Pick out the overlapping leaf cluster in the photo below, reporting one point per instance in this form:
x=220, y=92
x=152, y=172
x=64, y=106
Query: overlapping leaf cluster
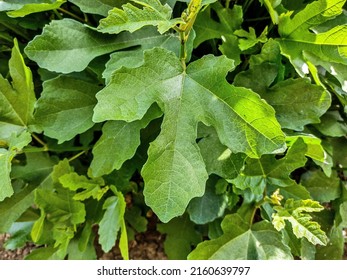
x=226, y=120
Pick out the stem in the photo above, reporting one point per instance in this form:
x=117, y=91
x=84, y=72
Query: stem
x=57, y=14
x=71, y=14
x=76, y=156
x=16, y=30
x=47, y=149
x=227, y=4
x=183, y=51
x=40, y=141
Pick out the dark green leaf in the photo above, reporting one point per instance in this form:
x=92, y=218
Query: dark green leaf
x=180, y=237
x=210, y=206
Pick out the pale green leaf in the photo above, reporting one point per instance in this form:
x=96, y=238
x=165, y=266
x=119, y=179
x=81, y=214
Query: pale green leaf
x=5, y=169
x=131, y=18
x=321, y=187
x=210, y=206
x=90, y=187
x=65, y=107
x=57, y=44
x=33, y=7
x=175, y=172
x=330, y=45
x=37, y=230
x=180, y=236
x=18, y=98
x=258, y=173
x=112, y=221
x=302, y=223
x=118, y=143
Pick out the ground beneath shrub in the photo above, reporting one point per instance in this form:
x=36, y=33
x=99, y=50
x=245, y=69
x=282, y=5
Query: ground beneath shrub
x=146, y=246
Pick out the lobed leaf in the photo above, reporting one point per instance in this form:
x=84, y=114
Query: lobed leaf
x=175, y=172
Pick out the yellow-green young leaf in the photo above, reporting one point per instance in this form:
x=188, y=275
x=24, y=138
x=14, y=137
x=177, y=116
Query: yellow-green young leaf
x=35, y=7
x=112, y=222
x=89, y=187
x=131, y=18
x=174, y=172
x=36, y=231
x=180, y=237
x=60, y=208
x=65, y=107
x=302, y=224
x=297, y=36
x=17, y=99
x=315, y=149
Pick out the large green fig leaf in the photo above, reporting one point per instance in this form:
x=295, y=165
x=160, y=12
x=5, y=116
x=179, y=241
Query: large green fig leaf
x=174, y=172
